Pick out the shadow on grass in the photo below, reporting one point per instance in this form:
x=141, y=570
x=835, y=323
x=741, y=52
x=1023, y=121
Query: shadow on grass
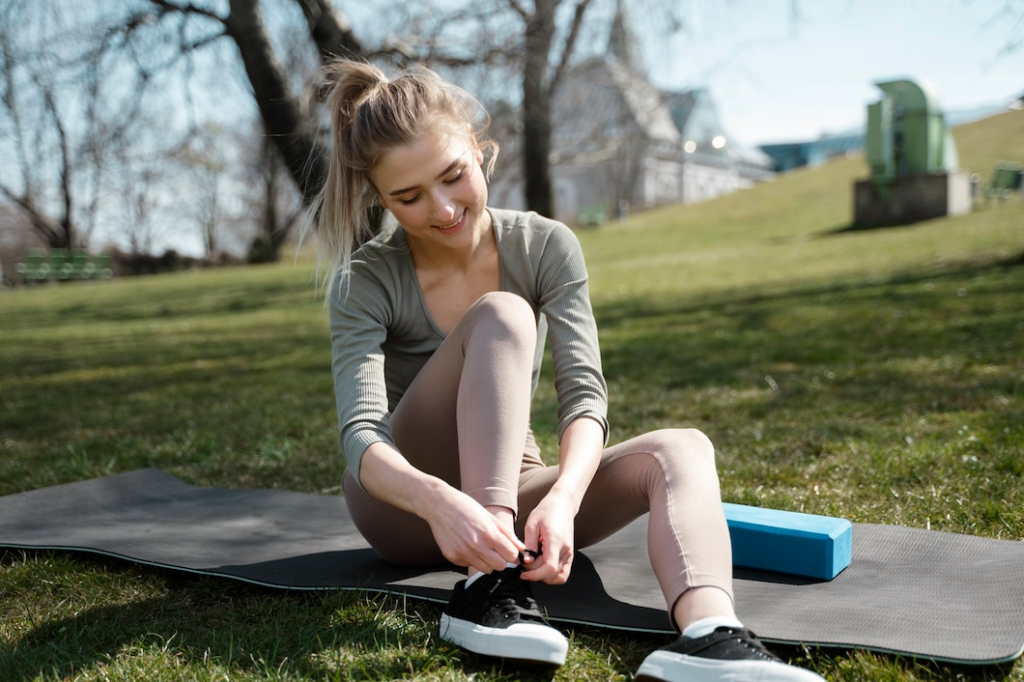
x=195, y=625
x=245, y=631
x=185, y=302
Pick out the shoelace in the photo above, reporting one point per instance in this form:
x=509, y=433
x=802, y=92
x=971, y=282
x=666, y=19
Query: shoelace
x=749, y=640
x=512, y=598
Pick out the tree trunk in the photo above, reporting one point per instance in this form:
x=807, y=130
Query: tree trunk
x=540, y=31
x=283, y=117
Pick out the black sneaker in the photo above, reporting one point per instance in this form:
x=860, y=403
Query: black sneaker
x=498, y=616
x=726, y=655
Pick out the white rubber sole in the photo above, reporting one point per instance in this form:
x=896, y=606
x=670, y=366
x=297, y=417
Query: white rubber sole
x=532, y=642
x=665, y=666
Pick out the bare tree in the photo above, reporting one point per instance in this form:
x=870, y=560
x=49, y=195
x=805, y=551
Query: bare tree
x=138, y=216
x=65, y=111
x=35, y=127
x=285, y=115
x=16, y=238
x=1010, y=14
x=541, y=56
x=176, y=41
x=541, y=75
x=204, y=164
x=280, y=209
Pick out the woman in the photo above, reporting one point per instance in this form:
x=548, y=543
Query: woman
x=438, y=327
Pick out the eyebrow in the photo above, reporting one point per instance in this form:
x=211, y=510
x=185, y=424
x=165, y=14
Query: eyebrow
x=440, y=175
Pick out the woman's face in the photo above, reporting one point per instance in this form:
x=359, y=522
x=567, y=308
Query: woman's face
x=436, y=189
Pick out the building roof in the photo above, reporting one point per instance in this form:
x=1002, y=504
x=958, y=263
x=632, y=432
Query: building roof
x=645, y=102
x=669, y=119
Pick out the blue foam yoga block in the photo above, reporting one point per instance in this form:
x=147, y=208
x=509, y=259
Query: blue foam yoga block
x=806, y=545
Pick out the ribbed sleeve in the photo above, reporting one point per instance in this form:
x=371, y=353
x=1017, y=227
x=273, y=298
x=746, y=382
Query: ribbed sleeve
x=546, y=267
x=382, y=333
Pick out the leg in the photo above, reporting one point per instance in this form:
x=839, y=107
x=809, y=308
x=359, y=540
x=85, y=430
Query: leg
x=672, y=474
x=464, y=419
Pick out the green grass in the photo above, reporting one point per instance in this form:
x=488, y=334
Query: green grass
x=873, y=375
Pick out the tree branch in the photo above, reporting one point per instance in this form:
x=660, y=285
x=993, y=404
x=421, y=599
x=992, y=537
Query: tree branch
x=331, y=30
x=570, y=44
x=519, y=9
x=41, y=224
x=187, y=8
x=488, y=57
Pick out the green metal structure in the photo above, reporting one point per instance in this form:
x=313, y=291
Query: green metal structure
x=907, y=133
x=912, y=158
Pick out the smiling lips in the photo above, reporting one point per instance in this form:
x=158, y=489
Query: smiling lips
x=457, y=222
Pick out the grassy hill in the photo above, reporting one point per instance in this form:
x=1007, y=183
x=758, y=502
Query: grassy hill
x=876, y=375
x=788, y=232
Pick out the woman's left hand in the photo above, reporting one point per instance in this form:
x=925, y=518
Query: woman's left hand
x=549, y=530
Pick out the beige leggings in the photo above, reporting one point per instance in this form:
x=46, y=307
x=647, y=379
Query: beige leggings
x=465, y=419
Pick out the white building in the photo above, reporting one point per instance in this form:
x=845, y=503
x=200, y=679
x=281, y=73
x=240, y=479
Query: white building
x=622, y=144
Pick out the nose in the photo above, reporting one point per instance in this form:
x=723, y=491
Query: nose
x=444, y=207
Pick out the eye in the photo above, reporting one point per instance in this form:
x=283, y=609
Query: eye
x=454, y=177
x=409, y=201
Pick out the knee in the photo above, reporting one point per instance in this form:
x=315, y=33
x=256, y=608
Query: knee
x=506, y=309
x=504, y=304
x=687, y=445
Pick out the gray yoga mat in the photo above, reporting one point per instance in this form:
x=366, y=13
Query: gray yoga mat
x=927, y=594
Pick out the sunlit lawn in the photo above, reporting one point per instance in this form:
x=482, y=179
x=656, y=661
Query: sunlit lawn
x=872, y=375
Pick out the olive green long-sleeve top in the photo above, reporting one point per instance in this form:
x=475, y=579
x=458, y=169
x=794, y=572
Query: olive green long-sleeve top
x=382, y=332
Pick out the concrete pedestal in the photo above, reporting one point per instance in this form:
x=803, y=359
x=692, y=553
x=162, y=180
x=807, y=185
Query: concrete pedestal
x=911, y=198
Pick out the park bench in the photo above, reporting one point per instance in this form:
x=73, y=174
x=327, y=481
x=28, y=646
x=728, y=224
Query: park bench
x=35, y=268
x=1006, y=179
x=63, y=265
x=592, y=216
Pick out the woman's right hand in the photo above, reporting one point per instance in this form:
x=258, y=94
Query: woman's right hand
x=470, y=535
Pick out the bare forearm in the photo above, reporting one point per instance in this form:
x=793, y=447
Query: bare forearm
x=549, y=529
x=467, y=533
x=387, y=475
x=578, y=457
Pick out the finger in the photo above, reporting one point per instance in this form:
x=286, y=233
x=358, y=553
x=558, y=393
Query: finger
x=552, y=575
x=542, y=569
x=495, y=551
x=485, y=554
x=509, y=542
x=488, y=562
x=537, y=568
x=531, y=537
x=563, y=573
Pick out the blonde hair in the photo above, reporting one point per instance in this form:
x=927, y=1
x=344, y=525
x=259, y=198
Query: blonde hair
x=371, y=114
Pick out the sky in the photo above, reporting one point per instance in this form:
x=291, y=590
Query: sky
x=779, y=77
